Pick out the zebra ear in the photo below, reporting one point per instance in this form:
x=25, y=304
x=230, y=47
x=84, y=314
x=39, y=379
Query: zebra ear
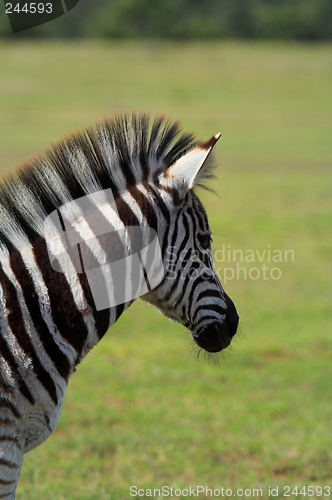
x=191, y=167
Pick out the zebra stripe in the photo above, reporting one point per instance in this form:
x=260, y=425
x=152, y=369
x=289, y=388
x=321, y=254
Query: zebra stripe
x=63, y=217
x=20, y=335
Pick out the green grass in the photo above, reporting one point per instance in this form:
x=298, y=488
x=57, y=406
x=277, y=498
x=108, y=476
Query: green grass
x=143, y=409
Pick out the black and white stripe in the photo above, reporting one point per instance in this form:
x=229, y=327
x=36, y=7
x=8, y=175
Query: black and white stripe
x=48, y=318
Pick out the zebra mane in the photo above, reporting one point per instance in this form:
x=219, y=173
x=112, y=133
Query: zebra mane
x=116, y=154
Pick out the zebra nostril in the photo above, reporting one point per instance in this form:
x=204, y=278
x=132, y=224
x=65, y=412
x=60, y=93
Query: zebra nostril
x=214, y=338
x=217, y=336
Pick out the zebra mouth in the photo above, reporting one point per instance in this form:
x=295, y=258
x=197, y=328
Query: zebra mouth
x=214, y=338
x=217, y=336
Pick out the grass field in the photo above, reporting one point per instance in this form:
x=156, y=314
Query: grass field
x=143, y=410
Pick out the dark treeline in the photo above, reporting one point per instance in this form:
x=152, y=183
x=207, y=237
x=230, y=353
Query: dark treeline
x=187, y=19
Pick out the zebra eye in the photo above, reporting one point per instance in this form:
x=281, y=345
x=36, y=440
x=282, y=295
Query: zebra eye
x=204, y=240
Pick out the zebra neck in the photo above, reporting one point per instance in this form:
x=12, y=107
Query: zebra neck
x=83, y=305
x=73, y=315
x=57, y=309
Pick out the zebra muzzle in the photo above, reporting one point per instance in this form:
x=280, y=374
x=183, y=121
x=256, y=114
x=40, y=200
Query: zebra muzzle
x=217, y=336
x=212, y=338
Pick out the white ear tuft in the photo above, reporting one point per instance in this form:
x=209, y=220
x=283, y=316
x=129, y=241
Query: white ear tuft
x=182, y=174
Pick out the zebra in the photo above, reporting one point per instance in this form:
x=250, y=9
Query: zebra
x=49, y=318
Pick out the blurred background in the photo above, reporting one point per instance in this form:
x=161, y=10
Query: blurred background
x=144, y=408
x=191, y=19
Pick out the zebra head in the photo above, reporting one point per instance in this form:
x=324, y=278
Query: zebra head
x=191, y=292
